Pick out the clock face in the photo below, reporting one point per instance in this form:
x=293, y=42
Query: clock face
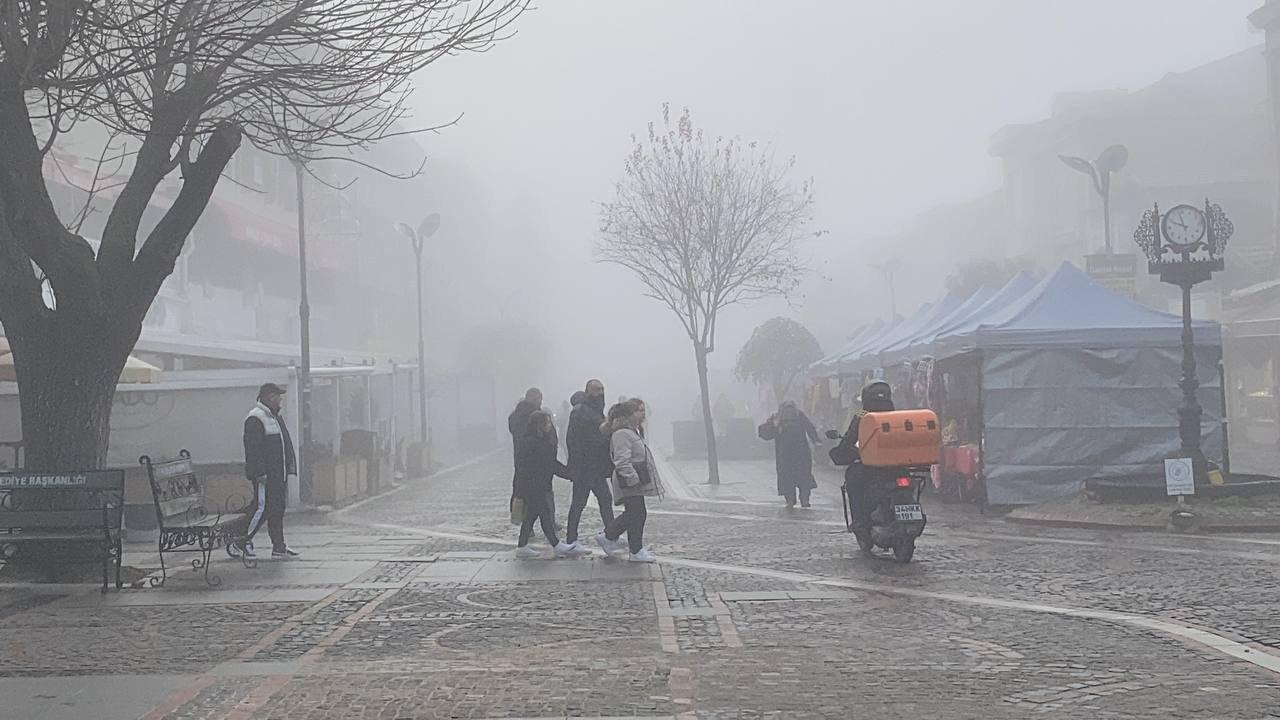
x=1183, y=226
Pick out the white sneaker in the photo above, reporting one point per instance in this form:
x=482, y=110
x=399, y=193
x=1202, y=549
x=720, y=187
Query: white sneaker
x=644, y=556
x=527, y=553
x=571, y=550
x=610, y=547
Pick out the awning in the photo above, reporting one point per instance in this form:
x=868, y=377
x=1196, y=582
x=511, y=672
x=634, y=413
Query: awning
x=135, y=370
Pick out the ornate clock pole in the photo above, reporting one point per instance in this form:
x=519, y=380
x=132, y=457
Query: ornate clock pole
x=1185, y=247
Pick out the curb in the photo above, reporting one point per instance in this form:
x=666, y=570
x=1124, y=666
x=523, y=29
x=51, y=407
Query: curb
x=1273, y=527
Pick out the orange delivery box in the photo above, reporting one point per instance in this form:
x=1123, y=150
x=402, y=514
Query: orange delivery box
x=900, y=438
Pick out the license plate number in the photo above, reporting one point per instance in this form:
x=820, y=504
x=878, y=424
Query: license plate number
x=906, y=513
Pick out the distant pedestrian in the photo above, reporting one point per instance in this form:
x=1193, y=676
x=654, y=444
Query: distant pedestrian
x=635, y=477
x=270, y=464
x=590, y=463
x=536, y=466
x=793, y=436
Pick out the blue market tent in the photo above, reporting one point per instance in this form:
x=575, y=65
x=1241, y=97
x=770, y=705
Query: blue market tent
x=1081, y=382
x=920, y=344
x=859, y=337
x=1018, y=285
x=858, y=346
x=868, y=357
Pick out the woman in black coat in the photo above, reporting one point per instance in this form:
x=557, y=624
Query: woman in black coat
x=793, y=436
x=536, y=465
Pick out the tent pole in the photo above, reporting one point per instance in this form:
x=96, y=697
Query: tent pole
x=982, y=432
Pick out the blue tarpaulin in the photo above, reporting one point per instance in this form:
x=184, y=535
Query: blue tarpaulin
x=1081, y=382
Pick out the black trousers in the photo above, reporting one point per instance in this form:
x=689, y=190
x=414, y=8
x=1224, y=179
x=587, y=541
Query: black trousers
x=535, y=510
x=790, y=495
x=631, y=521
x=268, y=505
x=581, y=491
x=856, y=486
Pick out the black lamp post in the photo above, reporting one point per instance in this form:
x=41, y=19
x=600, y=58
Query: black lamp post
x=1185, y=246
x=418, y=237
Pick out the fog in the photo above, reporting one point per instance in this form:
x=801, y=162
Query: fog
x=887, y=106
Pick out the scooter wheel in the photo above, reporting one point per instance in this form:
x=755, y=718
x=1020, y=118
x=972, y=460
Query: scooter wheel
x=864, y=540
x=904, y=549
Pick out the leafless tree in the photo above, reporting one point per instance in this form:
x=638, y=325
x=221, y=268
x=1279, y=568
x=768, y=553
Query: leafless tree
x=183, y=83
x=705, y=224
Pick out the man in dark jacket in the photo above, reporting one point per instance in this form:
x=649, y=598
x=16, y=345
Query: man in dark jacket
x=877, y=396
x=269, y=463
x=517, y=424
x=518, y=421
x=590, y=464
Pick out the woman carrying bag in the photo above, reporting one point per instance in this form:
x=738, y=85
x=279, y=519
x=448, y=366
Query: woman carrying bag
x=536, y=465
x=635, y=477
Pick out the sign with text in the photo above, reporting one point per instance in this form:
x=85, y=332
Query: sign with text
x=1179, y=477
x=1115, y=271
x=30, y=480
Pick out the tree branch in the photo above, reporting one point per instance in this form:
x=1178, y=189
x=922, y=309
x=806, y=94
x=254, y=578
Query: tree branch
x=160, y=252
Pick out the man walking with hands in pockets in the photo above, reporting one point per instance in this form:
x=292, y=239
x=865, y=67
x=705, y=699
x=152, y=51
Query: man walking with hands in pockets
x=269, y=463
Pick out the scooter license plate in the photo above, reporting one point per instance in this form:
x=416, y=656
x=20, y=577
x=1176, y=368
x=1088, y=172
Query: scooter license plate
x=907, y=513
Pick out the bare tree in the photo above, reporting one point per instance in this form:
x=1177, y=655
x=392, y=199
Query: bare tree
x=705, y=224
x=182, y=83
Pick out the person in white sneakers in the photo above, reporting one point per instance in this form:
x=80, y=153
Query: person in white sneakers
x=635, y=477
x=536, y=466
x=270, y=464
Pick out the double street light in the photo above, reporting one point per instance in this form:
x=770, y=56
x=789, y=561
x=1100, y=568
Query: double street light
x=1109, y=161
x=428, y=227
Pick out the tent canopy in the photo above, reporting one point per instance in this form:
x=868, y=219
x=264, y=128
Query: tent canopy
x=868, y=358
x=920, y=344
x=1070, y=309
x=860, y=336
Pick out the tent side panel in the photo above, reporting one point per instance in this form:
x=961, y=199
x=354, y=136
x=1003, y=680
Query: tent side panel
x=1057, y=417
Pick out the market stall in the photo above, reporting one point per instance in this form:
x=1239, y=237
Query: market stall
x=1075, y=382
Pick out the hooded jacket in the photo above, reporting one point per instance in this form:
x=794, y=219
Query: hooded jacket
x=268, y=449
x=536, y=465
x=588, y=448
x=518, y=422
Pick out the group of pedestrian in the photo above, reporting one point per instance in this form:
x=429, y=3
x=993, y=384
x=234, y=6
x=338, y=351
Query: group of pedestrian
x=607, y=457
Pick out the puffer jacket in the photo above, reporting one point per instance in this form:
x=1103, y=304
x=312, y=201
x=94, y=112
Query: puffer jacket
x=628, y=450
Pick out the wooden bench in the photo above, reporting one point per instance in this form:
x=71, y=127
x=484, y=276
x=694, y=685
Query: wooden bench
x=183, y=517
x=68, y=512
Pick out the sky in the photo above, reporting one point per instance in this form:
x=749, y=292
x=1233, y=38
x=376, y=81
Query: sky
x=887, y=105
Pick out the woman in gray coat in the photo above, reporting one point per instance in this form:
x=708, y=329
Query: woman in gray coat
x=635, y=477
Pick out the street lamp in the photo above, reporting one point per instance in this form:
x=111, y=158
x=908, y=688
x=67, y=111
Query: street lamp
x=1185, y=246
x=304, y=330
x=426, y=229
x=1109, y=161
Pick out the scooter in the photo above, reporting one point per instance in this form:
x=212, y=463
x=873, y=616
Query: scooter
x=897, y=517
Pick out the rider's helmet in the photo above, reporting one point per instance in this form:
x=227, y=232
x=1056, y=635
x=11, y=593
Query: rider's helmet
x=877, y=396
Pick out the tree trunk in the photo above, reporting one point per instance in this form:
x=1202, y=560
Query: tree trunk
x=713, y=459
x=66, y=383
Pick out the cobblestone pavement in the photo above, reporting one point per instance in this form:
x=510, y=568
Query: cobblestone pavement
x=412, y=606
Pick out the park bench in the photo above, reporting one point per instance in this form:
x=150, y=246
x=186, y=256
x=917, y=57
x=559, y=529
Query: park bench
x=73, y=516
x=183, y=516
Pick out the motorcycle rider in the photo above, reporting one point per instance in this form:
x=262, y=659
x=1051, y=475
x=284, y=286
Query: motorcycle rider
x=877, y=396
